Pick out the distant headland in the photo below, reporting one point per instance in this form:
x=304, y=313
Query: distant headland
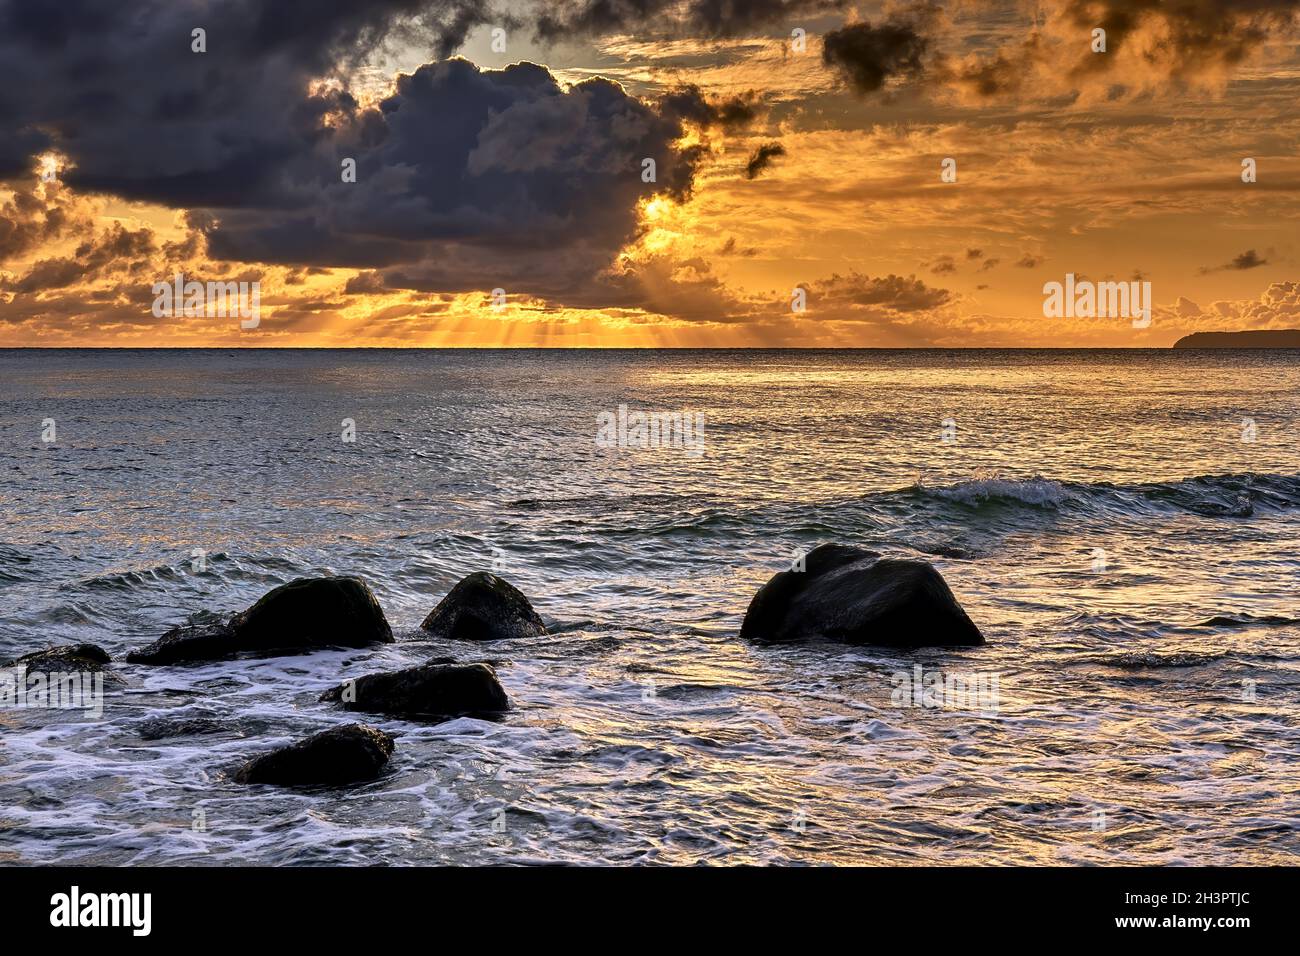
x=1255, y=339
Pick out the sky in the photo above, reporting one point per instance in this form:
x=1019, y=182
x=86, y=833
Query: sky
x=824, y=173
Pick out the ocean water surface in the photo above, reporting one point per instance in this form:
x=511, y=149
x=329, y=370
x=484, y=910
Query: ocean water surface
x=1123, y=526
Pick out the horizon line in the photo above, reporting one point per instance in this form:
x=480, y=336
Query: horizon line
x=641, y=348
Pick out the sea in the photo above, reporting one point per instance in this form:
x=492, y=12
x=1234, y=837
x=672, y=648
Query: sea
x=1123, y=526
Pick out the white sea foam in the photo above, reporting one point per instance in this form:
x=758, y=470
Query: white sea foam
x=1030, y=491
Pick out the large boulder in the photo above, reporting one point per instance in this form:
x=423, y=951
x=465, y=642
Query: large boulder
x=483, y=607
x=856, y=597
x=68, y=659
x=301, y=615
x=437, y=691
x=340, y=755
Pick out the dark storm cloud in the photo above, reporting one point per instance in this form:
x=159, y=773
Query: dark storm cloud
x=18, y=146
x=461, y=173
x=118, y=89
x=690, y=104
x=762, y=158
x=569, y=19
x=475, y=171
x=325, y=32
x=866, y=56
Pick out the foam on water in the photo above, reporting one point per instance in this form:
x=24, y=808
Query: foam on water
x=1035, y=491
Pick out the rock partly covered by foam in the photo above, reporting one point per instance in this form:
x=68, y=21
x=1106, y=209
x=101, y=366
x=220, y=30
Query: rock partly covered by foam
x=437, y=691
x=856, y=597
x=483, y=607
x=301, y=615
x=340, y=755
x=68, y=659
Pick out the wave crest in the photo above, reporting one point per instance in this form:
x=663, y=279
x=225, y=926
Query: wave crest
x=1037, y=491
x=1232, y=496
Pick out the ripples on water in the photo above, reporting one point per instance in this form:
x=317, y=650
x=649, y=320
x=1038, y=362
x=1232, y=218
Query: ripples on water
x=643, y=729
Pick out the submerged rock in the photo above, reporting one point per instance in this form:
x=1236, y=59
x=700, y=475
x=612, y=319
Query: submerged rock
x=340, y=755
x=483, y=607
x=429, y=690
x=856, y=597
x=184, y=723
x=67, y=659
x=162, y=728
x=303, y=614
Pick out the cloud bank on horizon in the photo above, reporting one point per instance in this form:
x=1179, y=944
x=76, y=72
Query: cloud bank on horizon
x=646, y=172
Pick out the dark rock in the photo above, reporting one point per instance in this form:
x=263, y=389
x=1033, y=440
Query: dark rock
x=338, y=611
x=856, y=597
x=301, y=615
x=340, y=755
x=199, y=721
x=430, y=690
x=66, y=659
x=483, y=607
